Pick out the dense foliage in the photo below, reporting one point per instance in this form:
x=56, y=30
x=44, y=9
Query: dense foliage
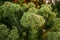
x=27, y=6
x=56, y=26
x=3, y=32
x=53, y=36
x=10, y=13
x=26, y=22
x=10, y=16
x=48, y=15
x=57, y=8
x=32, y=20
x=33, y=10
x=13, y=34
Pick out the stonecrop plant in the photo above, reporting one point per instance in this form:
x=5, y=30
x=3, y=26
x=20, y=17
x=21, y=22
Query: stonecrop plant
x=3, y=32
x=33, y=10
x=33, y=22
x=53, y=36
x=26, y=22
x=48, y=15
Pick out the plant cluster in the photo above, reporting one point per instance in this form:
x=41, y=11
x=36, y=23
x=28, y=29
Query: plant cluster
x=28, y=23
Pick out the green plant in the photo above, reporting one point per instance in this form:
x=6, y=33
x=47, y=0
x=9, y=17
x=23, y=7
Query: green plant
x=57, y=7
x=11, y=13
x=31, y=19
x=25, y=22
x=31, y=4
x=46, y=5
x=52, y=36
x=21, y=2
x=33, y=10
x=56, y=26
x=33, y=22
x=3, y=32
x=27, y=6
x=13, y=34
x=48, y=15
x=44, y=11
